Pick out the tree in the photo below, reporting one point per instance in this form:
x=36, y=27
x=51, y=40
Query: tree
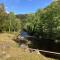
x=3, y=17
x=13, y=23
x=45, y=22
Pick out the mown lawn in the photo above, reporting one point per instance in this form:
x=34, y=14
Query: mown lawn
x=9, y=50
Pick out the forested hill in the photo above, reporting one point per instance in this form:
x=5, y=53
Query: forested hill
x=38, y=19
x=45, y=22
x=21, y=16
x=45, y=25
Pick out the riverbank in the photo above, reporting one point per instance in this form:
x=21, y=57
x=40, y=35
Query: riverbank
x=9, y=50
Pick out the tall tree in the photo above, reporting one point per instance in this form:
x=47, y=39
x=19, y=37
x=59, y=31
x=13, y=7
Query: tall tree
x=3, y=16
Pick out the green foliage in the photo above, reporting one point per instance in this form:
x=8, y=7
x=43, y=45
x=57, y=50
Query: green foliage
x=45, y=22
x=14, y=23
x=2, y=18
x=9, y=22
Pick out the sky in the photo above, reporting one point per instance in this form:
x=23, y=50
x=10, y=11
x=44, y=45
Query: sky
x=24, y=6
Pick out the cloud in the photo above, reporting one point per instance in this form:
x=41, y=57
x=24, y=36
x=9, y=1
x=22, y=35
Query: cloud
x=7, y=12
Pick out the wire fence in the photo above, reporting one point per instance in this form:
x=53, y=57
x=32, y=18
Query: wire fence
x=50, y=52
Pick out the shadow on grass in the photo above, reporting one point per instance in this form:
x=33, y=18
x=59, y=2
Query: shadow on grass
x=47, y=45
x=53, y=56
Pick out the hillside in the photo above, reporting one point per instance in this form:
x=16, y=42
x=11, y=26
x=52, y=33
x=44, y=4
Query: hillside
x=21, y=16
x=48, y=21
x=9, y=50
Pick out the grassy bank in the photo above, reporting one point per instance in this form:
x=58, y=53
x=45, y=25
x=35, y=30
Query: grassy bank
x=9, y=50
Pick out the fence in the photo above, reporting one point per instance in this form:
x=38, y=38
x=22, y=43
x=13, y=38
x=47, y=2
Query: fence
x=56, y=53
